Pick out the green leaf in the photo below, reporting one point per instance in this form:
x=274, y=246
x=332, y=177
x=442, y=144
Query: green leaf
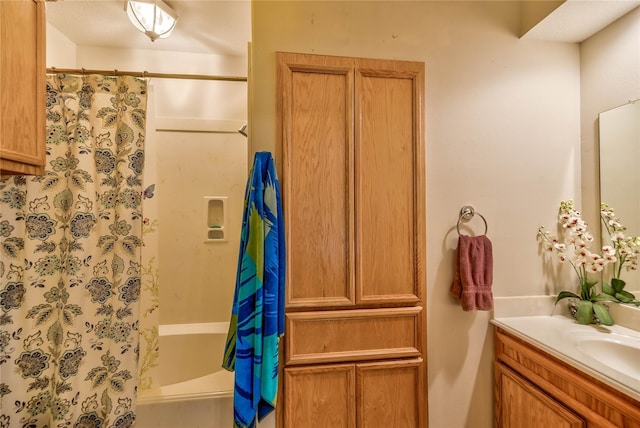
x=565, y=294
x=604, y=297
x=106, y=401
x=97, y=376
x=128, y=247
x=117, y=265
x=590, y=282
x=617, y=284
x=138, y=116
x=626, y=294
x=79, y=177
x=41, y=313
x=117, y=385
x=55, y=334
x=74, y=309
x=607, y=289
x=623, y=298
x=602, y=312
x=49, y=183
x=63, y=200
x=584, y=315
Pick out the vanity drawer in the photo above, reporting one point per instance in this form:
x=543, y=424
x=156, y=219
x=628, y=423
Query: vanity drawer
x=352, y=335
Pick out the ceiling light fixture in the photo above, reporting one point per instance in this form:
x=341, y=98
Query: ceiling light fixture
x=154, y=18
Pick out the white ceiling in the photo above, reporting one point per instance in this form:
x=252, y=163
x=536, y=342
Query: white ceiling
x=223, y=27
x=220, y=27
x=577, y=20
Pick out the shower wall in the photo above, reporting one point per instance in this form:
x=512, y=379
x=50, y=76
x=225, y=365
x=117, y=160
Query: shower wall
x=196, y=277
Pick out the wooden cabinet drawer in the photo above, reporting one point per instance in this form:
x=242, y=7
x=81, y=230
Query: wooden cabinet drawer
x=353, y=335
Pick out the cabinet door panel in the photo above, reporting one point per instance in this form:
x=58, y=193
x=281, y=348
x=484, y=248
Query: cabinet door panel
x=390, y=394
x=320, y=397
x=22, y=86
x=317, y=115
x=386, y=186
x=524, y=406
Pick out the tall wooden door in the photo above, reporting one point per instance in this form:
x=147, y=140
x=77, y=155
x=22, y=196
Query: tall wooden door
x=352, y=175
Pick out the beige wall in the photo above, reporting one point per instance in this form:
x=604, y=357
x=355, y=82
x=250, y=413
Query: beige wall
x=502, y=134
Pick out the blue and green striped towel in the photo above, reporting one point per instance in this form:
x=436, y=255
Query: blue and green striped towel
x=257, y=316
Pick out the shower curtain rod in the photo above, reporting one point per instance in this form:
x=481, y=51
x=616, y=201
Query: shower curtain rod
x=145, y=74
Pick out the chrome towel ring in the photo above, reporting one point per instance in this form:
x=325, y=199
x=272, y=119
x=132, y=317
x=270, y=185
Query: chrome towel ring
x=466, y=213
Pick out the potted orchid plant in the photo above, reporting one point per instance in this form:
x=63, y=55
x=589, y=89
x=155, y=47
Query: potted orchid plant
x=572, y=246
x=623, y=253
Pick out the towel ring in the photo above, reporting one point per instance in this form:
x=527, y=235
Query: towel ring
x=466, y=213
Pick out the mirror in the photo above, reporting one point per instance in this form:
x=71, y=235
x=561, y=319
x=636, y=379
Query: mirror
x=619, y=133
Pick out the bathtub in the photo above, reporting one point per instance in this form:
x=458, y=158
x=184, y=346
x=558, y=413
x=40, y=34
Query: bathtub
x=190, y=364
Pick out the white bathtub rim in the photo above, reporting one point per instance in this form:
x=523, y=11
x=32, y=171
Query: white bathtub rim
x=193, y=328
x=215, y=385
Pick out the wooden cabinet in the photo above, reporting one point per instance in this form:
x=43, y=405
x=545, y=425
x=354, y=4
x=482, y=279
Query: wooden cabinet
x=536, y=389
x=523, y=405
x=372, y=395
x=22, y=87
x=352, y=178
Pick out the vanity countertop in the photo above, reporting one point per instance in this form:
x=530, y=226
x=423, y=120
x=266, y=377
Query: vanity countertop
x=608, y=353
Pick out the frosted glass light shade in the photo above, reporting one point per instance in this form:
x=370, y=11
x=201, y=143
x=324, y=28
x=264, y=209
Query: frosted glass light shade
x=154, y=18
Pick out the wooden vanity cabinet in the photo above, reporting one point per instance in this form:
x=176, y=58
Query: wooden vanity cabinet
x=22, y=87
x=536, y=389
x=352, y=178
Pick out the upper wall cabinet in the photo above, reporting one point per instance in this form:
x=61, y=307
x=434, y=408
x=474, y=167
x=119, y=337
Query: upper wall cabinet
x=353, y=160
x=22, y=87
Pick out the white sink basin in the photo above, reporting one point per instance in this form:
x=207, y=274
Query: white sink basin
x=616, y=351
x=620, y=356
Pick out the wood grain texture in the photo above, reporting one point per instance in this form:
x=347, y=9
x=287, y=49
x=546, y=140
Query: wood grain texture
x=524, y=406
x=22, y=86
x=353, y=180
x=386, y=186
x=352, y=146
x=352, y=335
x=389, y=394
x=317, y=113
x=598, y=403
x=320, y=396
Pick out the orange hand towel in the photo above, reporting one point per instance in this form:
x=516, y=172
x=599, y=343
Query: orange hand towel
x=474, y=273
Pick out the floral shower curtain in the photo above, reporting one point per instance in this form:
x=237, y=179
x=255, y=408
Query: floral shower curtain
x=70, y=262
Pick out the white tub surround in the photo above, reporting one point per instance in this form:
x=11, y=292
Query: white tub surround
x=190, y=364
x=608, y=354
x=218, y=384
